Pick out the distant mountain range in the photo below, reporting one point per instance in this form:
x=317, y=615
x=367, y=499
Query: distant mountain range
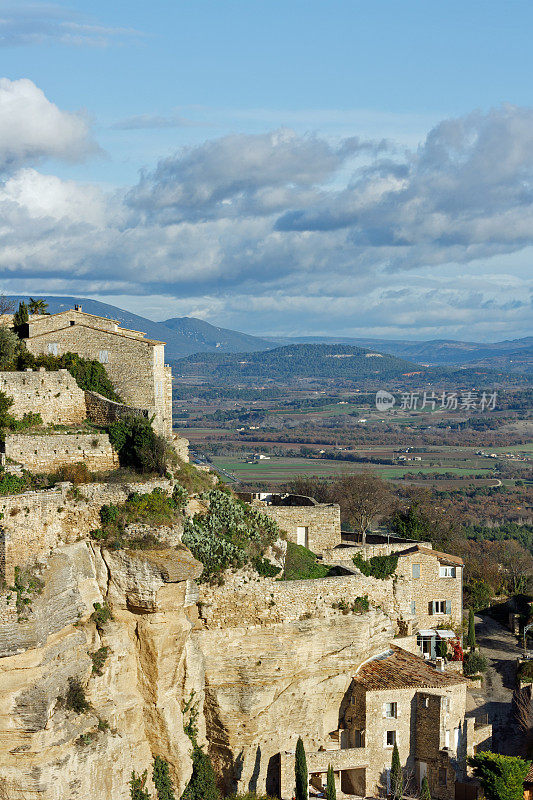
x=185, y=336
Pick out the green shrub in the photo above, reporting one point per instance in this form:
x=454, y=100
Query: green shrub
x=101, y=614
x=99, y=658
x=359, y=606
x=381, y=567
x=88, y=373
x=301, y=564
x=195, y=481
x=138, y=790
x=474, y=663
x=265, y=568
x=75, y=699
x=138, y=445
x=9, y=344
x=29, y=420
x=230, y=534
x=25, y=585
x=77, y=474
x=13, y=484
x=108, y=514
x=501, y=777
x=180, y=495
x=202, y=785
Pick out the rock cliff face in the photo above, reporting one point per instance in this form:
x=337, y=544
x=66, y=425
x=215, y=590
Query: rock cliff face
x=267, y=685
x=258, y=686
x=51, y=752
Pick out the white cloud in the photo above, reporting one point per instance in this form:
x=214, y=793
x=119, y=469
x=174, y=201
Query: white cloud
x=33, y=128
x=43, y=23
x=282, y=232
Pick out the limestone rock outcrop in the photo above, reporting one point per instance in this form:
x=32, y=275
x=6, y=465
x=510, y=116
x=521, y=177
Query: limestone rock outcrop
x=48, y=750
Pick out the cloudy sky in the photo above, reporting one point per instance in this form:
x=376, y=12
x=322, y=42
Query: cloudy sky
x=354, y=167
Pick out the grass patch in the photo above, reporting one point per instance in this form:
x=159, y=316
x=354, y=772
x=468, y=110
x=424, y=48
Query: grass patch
x=301, y=564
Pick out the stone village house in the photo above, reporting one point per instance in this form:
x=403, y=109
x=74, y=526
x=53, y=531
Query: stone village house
x=397, y=697
x=135, y=364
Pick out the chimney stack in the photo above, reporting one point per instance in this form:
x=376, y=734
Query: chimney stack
x=77, y=308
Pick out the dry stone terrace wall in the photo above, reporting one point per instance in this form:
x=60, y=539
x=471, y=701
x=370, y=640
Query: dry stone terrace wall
x=47, y=452
x=55, y=395
x=245, y=600
x=34, y=523
x=103, y=412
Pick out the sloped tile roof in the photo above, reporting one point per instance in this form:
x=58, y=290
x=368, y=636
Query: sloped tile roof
x=446, y=558
x=399, y=669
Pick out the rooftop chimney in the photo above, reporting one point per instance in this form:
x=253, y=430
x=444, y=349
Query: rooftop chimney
x=77, y=308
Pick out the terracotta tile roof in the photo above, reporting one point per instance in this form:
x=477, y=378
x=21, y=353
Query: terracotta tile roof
x=446, y=558
x=402, y=670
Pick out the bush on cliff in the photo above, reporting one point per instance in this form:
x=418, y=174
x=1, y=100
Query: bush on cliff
x=301, y=564
x=155, y=509
x=138, y=445
x=161, y=779
x=381, y=567
x=230, y=534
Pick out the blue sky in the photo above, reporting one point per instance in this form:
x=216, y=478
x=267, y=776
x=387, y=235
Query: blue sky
x=357, y=168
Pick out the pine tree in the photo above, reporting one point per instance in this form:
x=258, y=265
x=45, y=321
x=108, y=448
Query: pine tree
x=203, y=784
x=471, y=636
x=300, y=771
x=331, y=792
x=425, y=794
x=161, y=778
x=396, y=775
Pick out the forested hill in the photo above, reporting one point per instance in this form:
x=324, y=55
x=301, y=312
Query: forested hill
x=294, y=362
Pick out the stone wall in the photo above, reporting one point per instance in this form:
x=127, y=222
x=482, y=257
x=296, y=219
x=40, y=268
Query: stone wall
x=34, y=523
x=55, y=395
x=103, y=411
x=323, y=523
x=430, y=586
x=47, y=452
x=247, y=599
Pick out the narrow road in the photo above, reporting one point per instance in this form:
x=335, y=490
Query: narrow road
x=500, y=648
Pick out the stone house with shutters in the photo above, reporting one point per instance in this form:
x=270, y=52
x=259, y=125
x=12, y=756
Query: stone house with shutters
x=397, y=698
x=135, y=364
x=435, y=599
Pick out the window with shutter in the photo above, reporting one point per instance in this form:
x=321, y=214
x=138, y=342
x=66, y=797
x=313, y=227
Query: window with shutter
x=413, y=607
x=448, y=606
x=416, y=571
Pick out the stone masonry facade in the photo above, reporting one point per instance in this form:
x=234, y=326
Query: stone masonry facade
x=314, y=525
x=55, y=395
x=135, y=364
x=47, y=452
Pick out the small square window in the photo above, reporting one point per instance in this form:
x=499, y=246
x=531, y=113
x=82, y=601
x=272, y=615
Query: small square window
x=413, y=607
x=390, y=738
x=446, y=572
x=390, y=710
x=53, y=348
x=103, y=356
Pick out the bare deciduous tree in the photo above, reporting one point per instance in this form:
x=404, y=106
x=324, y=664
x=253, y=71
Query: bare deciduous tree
x=362, y=497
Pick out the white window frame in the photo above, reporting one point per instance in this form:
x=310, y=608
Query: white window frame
x=447, y=739
x=440, y=606
x=394, y=739
x=446, y=571
x=390, y=710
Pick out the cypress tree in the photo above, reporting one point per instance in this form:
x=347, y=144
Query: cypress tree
x=442, y=648
x=425, y=794
x=161, y=778
x=396, y=775
x=202, y=785
x=300, y=771
x=331, y=792
x=471, y=636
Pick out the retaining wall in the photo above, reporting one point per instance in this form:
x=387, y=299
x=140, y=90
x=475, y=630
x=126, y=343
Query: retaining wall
x=47, y=452
x=55, y=395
